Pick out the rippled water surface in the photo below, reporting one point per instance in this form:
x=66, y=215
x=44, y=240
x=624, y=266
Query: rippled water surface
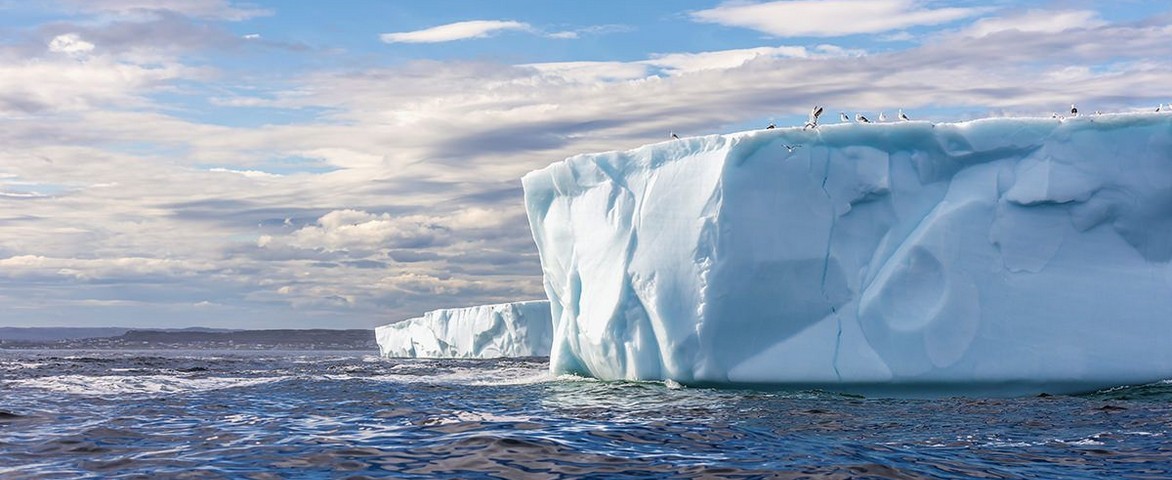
x=200, y=414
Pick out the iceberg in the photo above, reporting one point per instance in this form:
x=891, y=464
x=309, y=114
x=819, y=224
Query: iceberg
x=521, y=329
x=1002, y=256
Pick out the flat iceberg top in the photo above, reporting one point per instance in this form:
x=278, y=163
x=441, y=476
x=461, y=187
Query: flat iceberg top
x=1003, y=255
x=519, y=329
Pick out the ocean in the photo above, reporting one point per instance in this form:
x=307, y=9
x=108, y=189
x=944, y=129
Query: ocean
x=286, y=414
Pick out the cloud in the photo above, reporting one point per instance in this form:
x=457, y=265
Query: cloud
x=829, y=18
x=159, y=35
x=70, y=44
x=95, y=269
x=246, y=173
x=455, y=31
x=206, y=9
x=1038, y=21
x=346, y=230
x=676, y=63
x=591, y=30
x=55, y=84
x=671, y=64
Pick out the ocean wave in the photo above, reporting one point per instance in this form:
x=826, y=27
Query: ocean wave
x=134, y=384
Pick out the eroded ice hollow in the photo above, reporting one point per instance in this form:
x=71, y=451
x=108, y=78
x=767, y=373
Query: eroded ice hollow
x=521, y=329
x=997, y=257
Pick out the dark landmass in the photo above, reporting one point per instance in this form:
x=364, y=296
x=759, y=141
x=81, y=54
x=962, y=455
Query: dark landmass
x=47, y=334
x=196, y=339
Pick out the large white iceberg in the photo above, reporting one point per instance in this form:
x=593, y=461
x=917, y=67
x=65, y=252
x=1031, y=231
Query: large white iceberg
x=997, y=256
x=522, y=329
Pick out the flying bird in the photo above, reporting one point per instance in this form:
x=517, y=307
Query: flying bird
x=861, y=119
x=842, y=116
x=813, y=121
x=882, y=116
x=903, y=116
x=791, y=148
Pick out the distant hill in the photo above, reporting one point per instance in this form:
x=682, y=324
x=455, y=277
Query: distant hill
x=263, y=337
x=192, y=338
x=49, y=334
x=41, y=334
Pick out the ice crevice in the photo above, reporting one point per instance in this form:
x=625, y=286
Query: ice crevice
x=826, y=267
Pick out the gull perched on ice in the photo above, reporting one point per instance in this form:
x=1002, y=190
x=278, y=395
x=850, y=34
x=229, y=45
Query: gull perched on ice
x=842, y=117
x=882, y=116
x=861, y=119
x=903, y=116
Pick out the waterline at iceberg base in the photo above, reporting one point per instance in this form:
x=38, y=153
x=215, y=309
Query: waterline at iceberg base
x=1001, y=256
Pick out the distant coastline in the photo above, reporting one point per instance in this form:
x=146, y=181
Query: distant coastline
x=198, y=339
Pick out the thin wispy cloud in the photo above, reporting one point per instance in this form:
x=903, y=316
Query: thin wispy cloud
x=456, y=31
x=1039, y=21
x=830, y=18
x=206, y=9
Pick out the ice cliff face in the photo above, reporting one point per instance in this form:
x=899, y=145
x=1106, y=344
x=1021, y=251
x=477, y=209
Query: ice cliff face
x=520, y=329
x=997, y=256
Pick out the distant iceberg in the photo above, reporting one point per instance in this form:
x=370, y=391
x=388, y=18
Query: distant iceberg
x=522, y=329
x=997, y=256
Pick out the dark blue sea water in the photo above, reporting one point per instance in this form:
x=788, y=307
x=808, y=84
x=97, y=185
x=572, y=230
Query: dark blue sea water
x=201, y=414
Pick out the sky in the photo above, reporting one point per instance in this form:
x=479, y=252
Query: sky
x=348, y=164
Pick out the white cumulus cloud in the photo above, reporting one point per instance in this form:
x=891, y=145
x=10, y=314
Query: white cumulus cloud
x=70, y=44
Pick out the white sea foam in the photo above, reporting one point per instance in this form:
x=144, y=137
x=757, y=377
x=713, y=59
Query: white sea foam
x=463, y=416
x=19, y=365
x=133, y=384
x=526, y=375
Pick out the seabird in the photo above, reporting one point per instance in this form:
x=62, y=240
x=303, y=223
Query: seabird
x=903, y=117
x=842, y=116
x=882, y=116
x=813, y=121
x=861, y=119
x=673, y=135
x=771, y=127
x=1073, y=110
x=791, y=148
